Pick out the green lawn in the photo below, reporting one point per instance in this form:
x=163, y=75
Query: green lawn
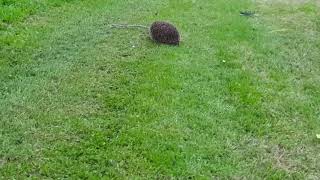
x=238, y=99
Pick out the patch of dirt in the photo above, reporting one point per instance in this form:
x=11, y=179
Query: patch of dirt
x=2, y=162
x=301, y=158
x=289, y=2
x=280, y=159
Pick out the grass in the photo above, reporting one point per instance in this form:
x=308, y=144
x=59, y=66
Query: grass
x=238, y=99
x=12, y=11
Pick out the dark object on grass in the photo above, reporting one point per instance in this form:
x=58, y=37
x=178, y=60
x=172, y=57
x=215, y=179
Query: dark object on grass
x=165, y=33
x=247, y=13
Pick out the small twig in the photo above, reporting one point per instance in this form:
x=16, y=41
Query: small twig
x=247, y=13
x=128, y=26
x=278, y=30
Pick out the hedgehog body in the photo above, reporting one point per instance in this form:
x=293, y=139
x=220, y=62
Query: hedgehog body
x=165, y=33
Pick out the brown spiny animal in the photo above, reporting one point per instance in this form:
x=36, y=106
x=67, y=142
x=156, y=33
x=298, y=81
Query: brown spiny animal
x=165, y=33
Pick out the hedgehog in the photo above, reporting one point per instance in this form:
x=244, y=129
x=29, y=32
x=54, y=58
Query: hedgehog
x=160, y=32
x=165, y=33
